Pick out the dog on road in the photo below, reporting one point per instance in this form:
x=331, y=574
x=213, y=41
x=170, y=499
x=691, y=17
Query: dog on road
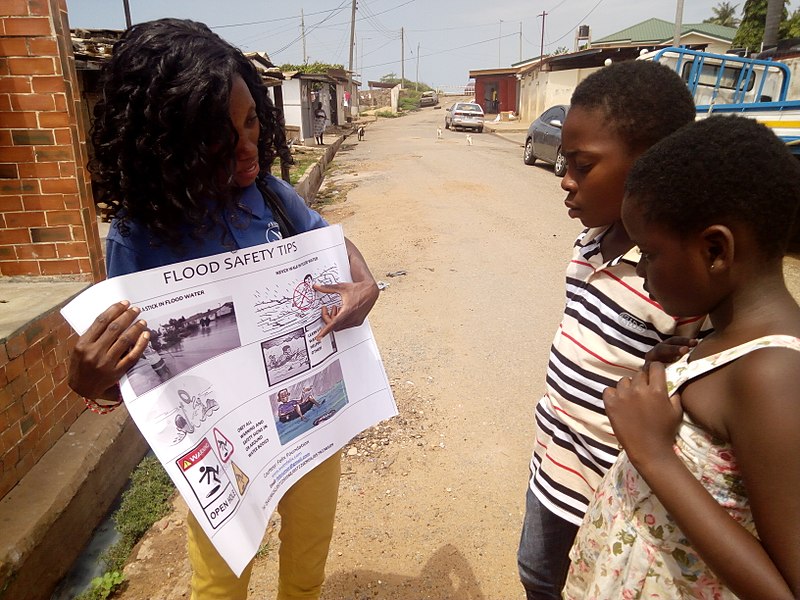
x=438, y=133
x=360, y=133
x=469, y=140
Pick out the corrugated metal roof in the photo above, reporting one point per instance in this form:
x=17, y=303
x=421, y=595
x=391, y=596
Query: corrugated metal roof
x=658, y=30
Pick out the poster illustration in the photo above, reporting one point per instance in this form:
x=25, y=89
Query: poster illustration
x=234, y=393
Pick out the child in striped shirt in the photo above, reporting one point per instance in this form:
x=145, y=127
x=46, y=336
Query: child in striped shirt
x=609, y=322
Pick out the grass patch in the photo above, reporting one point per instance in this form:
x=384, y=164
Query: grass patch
x=387, y=114
x=301, y=163
x=146, y=501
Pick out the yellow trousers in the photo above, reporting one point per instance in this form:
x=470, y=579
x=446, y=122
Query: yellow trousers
x=307, y=511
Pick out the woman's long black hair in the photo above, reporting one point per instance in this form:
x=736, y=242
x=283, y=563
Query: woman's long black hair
x=163, y=139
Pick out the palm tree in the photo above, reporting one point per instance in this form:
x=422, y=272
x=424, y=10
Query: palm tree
x=724, y=14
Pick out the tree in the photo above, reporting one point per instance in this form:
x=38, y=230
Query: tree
x=724, y=14
x=750, y=34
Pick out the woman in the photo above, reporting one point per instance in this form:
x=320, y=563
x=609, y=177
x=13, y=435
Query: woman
x=319, y=123
x=184, y=137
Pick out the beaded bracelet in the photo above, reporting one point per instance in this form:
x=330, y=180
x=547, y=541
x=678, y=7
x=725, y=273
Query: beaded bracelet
x=103, y=409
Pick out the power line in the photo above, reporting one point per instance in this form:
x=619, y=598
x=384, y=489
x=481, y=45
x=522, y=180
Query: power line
x=494, y=39
x=332, y=13
x=319, y=12
x=599, y=2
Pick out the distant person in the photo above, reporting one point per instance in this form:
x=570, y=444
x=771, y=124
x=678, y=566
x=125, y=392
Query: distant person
x=184, y=135
x=320, y=119
x=609, y=321
x=703, y=500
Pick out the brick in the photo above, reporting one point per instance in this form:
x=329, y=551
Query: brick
x=38, y=102
x=43, y=46
x=15, y=368
x=17, y=8
x=39, y=170
x=54, y=119
x=28, y=26
x=5, y=135
x=29, y=400
x=56, y=153
x=7, y=253
x=14, y=236
x=34, y=332
x=44, y=202
x=31, y=66
x=18, y=186
x=44, y=387
x=23, y=267
x=78, y=234
x=9, y=171
x=32, y=355
x=26, y=424
x=36, y=372
x=41, y=7
x=71, y=250
x=51, y=234
x=33, y=251
x=15, y=85
x=13, y=47
x=53, y=83
x=63, y=136
x=61, y=102
x=59, y=186
x=68, y=169
x=19, y=119
x=5, y=103
x=63, y=217
x=33, y=137
x=24, y=219
x=61, y=267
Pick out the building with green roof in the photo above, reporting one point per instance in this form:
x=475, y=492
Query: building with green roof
x=659, y=32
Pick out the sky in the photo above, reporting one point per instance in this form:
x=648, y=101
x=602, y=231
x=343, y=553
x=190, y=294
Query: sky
x=443, y=39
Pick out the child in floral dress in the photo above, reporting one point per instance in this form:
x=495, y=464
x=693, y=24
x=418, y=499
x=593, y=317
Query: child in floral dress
x=704, y=502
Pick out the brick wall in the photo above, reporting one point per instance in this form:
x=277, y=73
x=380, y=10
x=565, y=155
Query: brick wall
x=46, y=211
x=47, y=223
x=36, y=405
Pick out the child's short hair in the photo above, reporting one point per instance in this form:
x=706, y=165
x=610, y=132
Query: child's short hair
x=723, y=168
x=643, y=101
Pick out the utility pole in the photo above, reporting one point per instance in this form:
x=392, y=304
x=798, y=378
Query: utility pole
x=676, y=35
x=352, y=38
x=416, y=88
x=127, y=13
x=303, y=33
x=499, y=42
x=520, y=41
x=402, y=57
x=541, y=47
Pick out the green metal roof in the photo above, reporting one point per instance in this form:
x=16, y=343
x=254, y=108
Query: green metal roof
x=658, y=30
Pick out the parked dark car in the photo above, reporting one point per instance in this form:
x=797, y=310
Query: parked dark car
x=543, y=141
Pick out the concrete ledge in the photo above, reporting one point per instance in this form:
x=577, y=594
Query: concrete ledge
x=50, y=515
x=310, y=182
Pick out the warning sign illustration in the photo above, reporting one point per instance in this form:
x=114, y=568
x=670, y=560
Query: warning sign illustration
x=241, y=478
x=211, y=485
x=224, y=445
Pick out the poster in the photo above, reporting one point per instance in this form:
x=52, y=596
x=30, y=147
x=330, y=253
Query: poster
x=234, y=394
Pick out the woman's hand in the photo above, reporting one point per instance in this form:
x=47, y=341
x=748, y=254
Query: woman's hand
x=357, y=297
x=645, y=419
x=112, y=345
x=669, y=350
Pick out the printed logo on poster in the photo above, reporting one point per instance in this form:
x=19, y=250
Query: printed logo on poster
x=209, y=482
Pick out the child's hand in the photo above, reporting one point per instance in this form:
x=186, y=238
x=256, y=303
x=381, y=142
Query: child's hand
x=644, y=418
x=112, y=345
x=669, y=350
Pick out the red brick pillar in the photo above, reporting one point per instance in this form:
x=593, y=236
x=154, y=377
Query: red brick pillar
x=47, y=216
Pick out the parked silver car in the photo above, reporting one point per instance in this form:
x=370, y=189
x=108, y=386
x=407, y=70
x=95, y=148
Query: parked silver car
x=543, y=140
x=466, y=115
x=428, y=99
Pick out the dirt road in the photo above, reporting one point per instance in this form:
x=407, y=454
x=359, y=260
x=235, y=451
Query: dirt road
x=431, y=501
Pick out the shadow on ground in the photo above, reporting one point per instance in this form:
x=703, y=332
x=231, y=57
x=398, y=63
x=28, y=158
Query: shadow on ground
x=446, y=576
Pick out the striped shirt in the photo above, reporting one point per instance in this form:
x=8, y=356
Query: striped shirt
x=609, y=324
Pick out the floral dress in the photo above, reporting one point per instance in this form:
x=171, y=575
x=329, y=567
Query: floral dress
x=628, y=547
